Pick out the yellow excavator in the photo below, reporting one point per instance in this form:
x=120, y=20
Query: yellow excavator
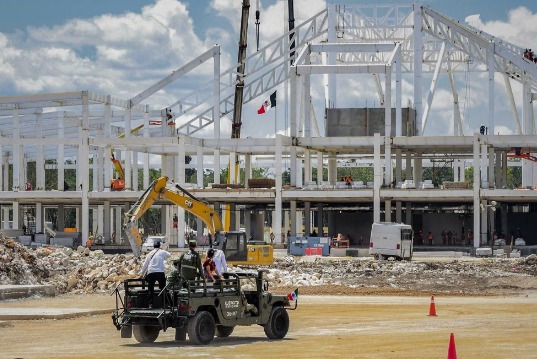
x=234, y=244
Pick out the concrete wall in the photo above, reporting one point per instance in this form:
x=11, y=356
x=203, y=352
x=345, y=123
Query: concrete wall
x=365, y=122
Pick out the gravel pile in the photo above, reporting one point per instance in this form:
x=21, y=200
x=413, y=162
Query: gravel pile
x=87, y=271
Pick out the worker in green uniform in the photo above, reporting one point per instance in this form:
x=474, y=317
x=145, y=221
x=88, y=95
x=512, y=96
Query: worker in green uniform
x=189, y=264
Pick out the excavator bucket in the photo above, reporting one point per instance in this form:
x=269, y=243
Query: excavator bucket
x=135, y=240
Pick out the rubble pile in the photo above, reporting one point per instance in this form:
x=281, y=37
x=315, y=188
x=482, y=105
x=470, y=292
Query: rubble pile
x=484, y=276
x=80, y=271
x=87, y=271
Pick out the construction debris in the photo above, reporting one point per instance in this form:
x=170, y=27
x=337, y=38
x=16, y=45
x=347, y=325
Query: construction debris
x=87, y=271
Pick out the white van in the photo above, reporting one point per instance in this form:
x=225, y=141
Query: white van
x=391, y=240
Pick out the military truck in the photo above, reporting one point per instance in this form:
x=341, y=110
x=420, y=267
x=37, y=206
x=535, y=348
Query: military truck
x=200, y=310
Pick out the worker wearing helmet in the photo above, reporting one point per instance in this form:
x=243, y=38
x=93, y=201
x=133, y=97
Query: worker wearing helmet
x=189, y=264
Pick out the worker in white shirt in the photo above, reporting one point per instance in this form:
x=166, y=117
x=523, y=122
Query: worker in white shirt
x=220, y=261
x=153, y=270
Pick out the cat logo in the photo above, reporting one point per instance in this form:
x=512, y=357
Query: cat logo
x=188, y=203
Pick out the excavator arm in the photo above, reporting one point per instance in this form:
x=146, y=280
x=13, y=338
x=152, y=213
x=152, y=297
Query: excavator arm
x=160, y=189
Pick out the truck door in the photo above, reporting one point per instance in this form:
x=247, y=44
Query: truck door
x=406, y=243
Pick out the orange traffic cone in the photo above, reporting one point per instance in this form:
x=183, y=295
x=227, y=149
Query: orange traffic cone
x=452, y=352
x=432, y=308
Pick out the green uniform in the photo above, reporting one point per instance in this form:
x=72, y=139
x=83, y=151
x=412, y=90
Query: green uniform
x=189, y=265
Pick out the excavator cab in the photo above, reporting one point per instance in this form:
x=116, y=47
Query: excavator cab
x=233, y=244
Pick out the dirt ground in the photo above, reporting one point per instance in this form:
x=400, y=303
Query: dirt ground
x=384, y=326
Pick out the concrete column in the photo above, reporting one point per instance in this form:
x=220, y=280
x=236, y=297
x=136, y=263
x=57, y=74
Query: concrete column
x=40, y=160
x=293, y=215
x=83, y=163
x=307, y=218
x=398, y=165
x=377, y=178
x=100, y=222
x=277, y=219
x=95, y=221
x=418, y=169
x=199, y=169
x=5, y=175
x=332, y=168
x=319, y=168
x=299, y=223
x=491, y=167
x=477, y=187
x=408, y=210
x=128, y=155
x=61, y=155
x=5, y=214
x=107, y=215
x=484, y=224
x=61, y=218
x=247, y=169
x=145, y=156
x=118, y=223
x=408, y=165
x=388, y=127
x=418, y=62
x=18, y=154
x=388, y=210
x=497, y=169
x=39, y=217
x=286, y=221
x=107, y=135
x=320, y=224
x=200, y=227
x=16, y=215
x=504, y=169
x=299, y=182
x=232, y=217
x=398, y=212
x=483, y=164
x=217, y=166
x=233, y=176
x=307, y=166
x=135, y=168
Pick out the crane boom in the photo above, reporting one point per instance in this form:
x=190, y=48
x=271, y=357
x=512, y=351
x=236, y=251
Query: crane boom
x=239, y=86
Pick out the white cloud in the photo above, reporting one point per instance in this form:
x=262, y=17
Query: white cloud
x=519, y=29
x=112, y=54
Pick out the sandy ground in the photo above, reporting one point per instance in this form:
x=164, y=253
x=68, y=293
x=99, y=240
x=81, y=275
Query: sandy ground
x=321, y=327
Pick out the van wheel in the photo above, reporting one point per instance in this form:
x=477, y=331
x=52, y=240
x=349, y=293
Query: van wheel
x=379, y=257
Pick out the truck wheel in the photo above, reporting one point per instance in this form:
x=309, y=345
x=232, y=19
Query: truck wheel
x=145, y=333
x=379, y=257
x=201, y=328
x=223, y=331
x=278, y=323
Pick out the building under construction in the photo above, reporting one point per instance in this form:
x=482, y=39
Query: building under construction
x=45, y=135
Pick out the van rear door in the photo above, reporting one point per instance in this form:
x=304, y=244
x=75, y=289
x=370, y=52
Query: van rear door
x=406, y=243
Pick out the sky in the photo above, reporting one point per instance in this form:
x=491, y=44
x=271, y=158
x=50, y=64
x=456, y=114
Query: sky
x=121, y=47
